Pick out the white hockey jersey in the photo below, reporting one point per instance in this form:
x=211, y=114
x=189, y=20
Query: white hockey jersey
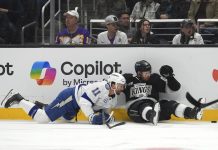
x=93, y=97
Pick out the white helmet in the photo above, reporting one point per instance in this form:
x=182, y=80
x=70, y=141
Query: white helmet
x=117, y=78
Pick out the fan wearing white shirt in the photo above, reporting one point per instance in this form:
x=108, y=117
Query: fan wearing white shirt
x=112, y=35
x=188, y=34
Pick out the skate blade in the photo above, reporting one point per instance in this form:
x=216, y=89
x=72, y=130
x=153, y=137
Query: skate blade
x=6, y=97
x=157, y=110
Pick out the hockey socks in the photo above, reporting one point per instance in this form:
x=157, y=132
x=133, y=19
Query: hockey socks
x=34, y=112
x=183, y=111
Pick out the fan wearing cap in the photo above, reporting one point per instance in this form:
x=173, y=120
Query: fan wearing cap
x=188, y=34
x=112, y=35
x=72, y=34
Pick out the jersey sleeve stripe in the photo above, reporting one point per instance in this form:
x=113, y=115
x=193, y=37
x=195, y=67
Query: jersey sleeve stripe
x=85, y=96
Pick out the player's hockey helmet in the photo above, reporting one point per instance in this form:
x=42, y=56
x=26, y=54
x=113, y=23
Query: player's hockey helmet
x=117, y=78
x=142, y=65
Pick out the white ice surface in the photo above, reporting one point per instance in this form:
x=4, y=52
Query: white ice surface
x=29, y=135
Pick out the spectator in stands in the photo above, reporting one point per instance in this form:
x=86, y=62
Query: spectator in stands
x=173, y=9
x=205, y=9
x=72, y=34
x=144, y=34
x=11, y=13
x=113, y=7
x=188, y=34
x=124, y=25
x=145, y=9
x=112, y=35
x=170, y=9
x=130, y=4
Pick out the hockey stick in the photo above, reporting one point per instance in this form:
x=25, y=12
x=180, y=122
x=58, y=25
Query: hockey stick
x=194, y=102
x=115, y=125
x=112, y=126
x=8, y=94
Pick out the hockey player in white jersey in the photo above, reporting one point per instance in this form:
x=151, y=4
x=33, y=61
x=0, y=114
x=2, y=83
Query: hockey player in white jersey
x=91, y=99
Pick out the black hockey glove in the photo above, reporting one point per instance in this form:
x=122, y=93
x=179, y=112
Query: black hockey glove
x=128, y=77
x=166, y=71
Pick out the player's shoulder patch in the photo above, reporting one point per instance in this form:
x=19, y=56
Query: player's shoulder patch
x=107, y=86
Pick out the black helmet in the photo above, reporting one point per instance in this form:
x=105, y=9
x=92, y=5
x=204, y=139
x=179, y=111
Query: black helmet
x=142, y=66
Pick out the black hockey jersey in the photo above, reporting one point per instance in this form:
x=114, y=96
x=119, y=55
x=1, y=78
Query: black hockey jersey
x=136, y=88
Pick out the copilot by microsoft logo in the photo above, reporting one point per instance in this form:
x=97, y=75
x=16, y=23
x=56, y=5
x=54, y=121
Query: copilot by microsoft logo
x=43, y=73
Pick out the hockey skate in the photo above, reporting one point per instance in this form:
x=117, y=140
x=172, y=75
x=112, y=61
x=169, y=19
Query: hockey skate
x=197, y=112
x=11, y=98
x=155, y=112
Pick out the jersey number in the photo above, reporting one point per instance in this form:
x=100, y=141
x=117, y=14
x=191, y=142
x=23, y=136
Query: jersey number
x=96, y=91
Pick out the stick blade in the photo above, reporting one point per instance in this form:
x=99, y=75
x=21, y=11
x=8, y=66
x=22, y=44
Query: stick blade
x=115, y=125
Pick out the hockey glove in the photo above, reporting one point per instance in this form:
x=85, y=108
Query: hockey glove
x=128, y=77
x=108, y=118
x=97, y=118
x=166, y=71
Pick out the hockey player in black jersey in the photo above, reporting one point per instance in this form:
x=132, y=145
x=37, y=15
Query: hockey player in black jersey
x=142, y=95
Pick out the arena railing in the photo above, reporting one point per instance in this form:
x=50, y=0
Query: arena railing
x=206, y=20
x=34, y=23
x=43, y=24
x=210, y=35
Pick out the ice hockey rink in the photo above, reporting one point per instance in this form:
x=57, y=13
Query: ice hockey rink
x=180, y=135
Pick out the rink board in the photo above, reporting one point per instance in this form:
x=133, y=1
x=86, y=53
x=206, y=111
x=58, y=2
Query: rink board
x=119, y=114
x=41, y=73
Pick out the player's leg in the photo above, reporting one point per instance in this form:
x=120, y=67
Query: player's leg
x=15, y=98
x=34, y=111
x=72, y=109
x=180, y=110
x=144, y=111
x=64, y=106
x=29, y=107
x=53, y=111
